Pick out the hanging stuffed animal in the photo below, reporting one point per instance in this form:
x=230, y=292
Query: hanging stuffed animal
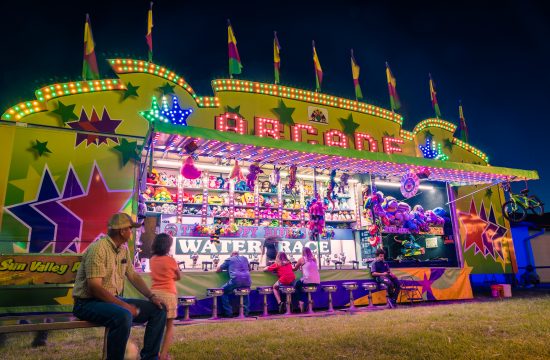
x=189, y=170
x=292, y=177
x=330, y=187
x=236, y=172
x=253, y=172
x=275, y=176
x=343, y=183
x=316, y=223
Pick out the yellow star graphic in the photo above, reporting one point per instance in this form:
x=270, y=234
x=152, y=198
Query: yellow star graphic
x=29, y=185
x=67, y=299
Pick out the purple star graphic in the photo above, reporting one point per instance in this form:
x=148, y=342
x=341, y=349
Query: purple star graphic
x=94, y=124
x=426, y=283
x=41, y=230
x=67, y=224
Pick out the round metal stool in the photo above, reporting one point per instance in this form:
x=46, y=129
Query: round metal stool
x=214, y=293
x=241, y=292
x=330, y=288
x=350, y=286
x=310, y=288
x=370, y=286
x=288, y=290
x=186, y=302
x=389, y=304
x=265, y=290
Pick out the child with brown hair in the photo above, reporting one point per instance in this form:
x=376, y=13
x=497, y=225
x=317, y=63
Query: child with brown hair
x=165, y=273
x=283, y=268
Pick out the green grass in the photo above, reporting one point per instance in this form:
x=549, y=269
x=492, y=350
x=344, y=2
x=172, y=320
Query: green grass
x=510, y=329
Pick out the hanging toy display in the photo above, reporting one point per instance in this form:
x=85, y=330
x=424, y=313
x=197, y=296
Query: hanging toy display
x=291, y=179
x=215, y=234
x=236, y=172
x=409, y=185
x=275, y=177
x=189, y=170
x=316, y=222
x=410, y=247
x=253, y=172
x=343, y=184
x=330, y=188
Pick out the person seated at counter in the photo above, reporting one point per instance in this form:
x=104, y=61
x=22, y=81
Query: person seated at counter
x=310, y=274
x=529, y=278
x=270, y=248
x=239, y=276
x=380, y=271
x=283, y=268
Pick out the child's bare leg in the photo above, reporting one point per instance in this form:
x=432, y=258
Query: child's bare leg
x=168, y=339
x=276, y=293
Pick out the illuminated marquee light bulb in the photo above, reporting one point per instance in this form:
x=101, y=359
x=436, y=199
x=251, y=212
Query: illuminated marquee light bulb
x=296, y=132
x=261, y=129
x=389, y=148
x=359, y=141
x=336, y=138
x=230, y=122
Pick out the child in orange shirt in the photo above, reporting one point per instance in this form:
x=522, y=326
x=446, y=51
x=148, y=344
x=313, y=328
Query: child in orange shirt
x=165, y=273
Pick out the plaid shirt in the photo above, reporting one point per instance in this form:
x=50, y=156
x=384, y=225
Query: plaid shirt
x=103, y=260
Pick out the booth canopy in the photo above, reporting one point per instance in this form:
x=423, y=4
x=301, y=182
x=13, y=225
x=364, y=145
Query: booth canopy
x=213, y=143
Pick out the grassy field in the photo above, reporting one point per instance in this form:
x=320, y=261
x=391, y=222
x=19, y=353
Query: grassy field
x=510, y=329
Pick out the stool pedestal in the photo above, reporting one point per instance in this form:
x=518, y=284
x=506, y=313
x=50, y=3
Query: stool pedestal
x=206, y=265
x=265, y=290
x=330, y=288
x=310, y=288
x=241, y=293
x=288, y=290
x=370, y=287
x=254, y=265
x=186, y=302
x=214, y=293
x=350, y=286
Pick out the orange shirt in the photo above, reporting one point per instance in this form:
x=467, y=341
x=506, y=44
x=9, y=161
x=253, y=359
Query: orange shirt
x=164, y=271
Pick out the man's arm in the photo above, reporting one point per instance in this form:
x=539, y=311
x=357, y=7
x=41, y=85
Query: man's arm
x=96, y=289
x=142, y=287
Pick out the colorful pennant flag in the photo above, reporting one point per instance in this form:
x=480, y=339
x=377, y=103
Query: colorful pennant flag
x=433, y=97
x=235, y=66
x=276, y=57
x=149, y=36
x=90, y=70
x=318, y=70
x=355, y=69
x=463, y=127
x=394, y=98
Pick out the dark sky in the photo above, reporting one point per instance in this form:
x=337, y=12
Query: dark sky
x=494, y=57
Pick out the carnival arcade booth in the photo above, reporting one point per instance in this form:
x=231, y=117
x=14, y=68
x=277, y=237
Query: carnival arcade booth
x=222, y=173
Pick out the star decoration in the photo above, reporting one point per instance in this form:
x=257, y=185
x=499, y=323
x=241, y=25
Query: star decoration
x=41, y=148
x=234, y=110
x=349, y=126
x=448, y=144
x=41, y=229
x=482, y=233
x=131, y=90
x=387, y=134
x=28, y=184
x=127, y=150
x=94, y=124
x=285, y=113
x=67, y=299
x=95, y=206
x=65, y=112
x=166, y=89
x=428, y=134
x=489, y=193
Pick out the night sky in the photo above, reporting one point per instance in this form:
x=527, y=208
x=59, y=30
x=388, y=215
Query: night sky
x=495, y=58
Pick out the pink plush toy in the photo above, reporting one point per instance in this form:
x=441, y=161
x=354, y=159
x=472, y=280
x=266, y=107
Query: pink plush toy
x=236, y=172
x=253, y=172
x=189, y=170
x=316, y=218
x=292, y=177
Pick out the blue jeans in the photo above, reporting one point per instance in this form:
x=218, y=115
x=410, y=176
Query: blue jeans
x=227, y=292
x=119, y=322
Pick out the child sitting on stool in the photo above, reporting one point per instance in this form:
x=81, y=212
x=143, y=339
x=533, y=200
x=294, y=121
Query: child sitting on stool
x=283, y=268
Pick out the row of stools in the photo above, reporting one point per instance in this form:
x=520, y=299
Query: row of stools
x=214, y=293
